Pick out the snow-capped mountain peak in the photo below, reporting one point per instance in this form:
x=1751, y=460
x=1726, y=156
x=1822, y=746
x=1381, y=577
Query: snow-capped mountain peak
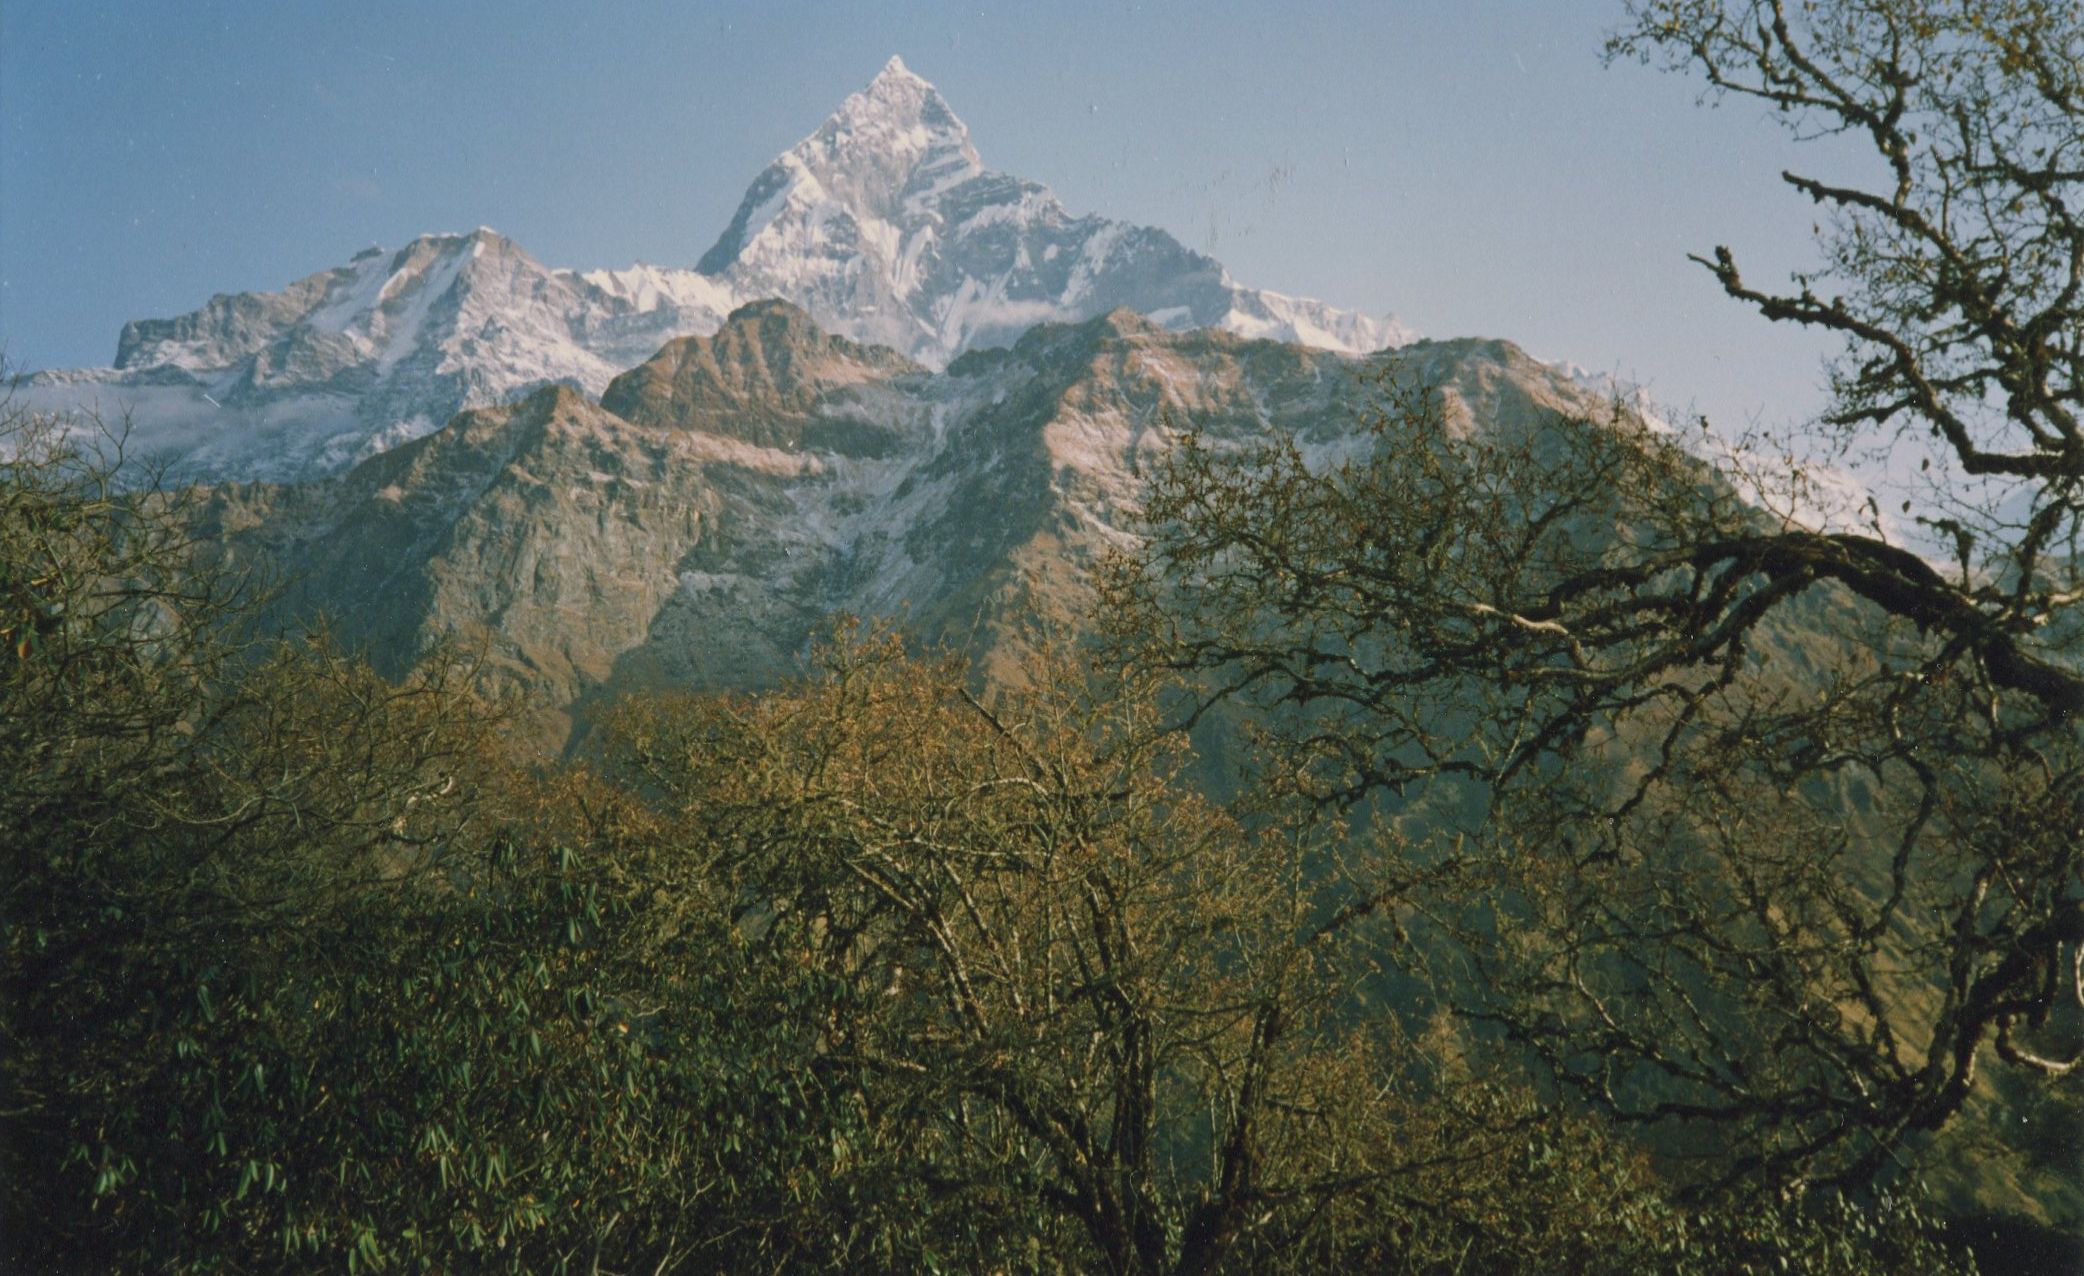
x=375, y=308
x=883, y=225
x=887, y=141
x=896, y=70
x=869, y=175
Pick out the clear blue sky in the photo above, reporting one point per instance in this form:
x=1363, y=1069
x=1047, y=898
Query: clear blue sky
x=1467, y=165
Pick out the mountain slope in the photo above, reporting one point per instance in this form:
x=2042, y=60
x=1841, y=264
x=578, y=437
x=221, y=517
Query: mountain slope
x=698, y=527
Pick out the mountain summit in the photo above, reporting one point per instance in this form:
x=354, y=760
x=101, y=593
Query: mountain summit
x=886, y=225
x=883, y=155
x=883, y=226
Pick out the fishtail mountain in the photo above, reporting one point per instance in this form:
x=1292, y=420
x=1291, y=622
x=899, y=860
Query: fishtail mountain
x=884, y=225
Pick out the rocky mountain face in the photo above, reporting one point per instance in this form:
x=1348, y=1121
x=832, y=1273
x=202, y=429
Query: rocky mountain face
x=883, y=225
x=763, y=377
x=698, y=525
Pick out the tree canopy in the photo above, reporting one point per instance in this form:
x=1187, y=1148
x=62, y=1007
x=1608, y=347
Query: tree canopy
x=1757, y=831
